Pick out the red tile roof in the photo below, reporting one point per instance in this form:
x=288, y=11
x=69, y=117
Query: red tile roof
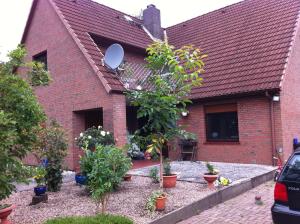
x=86, y=17
x=247, y=45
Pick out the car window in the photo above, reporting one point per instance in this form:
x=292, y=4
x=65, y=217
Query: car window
x=291, y=171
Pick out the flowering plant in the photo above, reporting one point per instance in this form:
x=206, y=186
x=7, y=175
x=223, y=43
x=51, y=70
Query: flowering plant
x=39, y=175
x=94, y=136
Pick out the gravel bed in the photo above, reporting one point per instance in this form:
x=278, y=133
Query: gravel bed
x=128, y=200
x=193, y=171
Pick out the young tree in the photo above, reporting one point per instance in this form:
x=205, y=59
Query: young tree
x=174, y=72
x=20, y=117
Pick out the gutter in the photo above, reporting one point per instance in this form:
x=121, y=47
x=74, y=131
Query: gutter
x=272, y=120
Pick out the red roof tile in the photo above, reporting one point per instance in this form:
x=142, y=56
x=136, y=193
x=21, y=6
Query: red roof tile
x=247, y=45
x=86, y=17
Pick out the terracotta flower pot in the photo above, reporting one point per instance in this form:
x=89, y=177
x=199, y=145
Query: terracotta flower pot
x=4, y=213
x=210, y=179
x=127, y=177
x=160, y=203
x=169, y=181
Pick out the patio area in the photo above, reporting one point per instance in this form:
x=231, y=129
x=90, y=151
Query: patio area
x=193, y=171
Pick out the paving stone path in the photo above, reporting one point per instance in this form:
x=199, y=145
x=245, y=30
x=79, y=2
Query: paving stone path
x=240, y=210
x=193, y=171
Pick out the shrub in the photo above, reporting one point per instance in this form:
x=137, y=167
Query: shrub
x=93, y=137
x=20, y=117
x=87, y=162
x=134, y=150
x=167, y=167
x=109, y=166
x=103, y=219
x=53, y=146
x=154, y=175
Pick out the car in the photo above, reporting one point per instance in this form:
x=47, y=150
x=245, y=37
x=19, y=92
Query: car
x=286, y=207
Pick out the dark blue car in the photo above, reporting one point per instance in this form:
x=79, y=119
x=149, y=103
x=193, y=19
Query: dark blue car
x=286, y=208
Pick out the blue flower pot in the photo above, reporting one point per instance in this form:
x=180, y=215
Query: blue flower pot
x=40, y=190
x=80, y=179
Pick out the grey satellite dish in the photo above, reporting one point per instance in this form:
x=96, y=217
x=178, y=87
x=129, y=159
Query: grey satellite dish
x=114, y=56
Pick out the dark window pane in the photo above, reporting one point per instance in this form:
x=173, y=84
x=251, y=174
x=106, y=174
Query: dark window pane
x=222, y=126
x=42, y=57
x=292, y=170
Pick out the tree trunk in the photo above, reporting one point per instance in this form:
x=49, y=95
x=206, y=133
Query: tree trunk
x=161, y=170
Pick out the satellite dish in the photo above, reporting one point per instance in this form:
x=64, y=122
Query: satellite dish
x=114, y=56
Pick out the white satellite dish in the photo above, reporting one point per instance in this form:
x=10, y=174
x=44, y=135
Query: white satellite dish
x=114, y=56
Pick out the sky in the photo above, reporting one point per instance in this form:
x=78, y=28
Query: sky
x=14, y=13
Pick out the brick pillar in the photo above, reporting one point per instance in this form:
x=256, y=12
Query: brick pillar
x=78, y=126
x=114, y=119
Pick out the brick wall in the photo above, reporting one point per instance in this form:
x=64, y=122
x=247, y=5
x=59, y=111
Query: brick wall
x=75, y=86
x=254, y=146
x=289, y=98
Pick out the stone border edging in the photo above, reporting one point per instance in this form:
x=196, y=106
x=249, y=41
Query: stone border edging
x=213, y=199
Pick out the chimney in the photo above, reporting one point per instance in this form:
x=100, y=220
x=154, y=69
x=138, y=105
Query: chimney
x=151, y=17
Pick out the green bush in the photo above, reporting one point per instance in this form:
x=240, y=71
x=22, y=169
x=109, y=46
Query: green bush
x=20, y=118
x=93, y=137
x=103, y=219
x=110, y=164
x=53, y=146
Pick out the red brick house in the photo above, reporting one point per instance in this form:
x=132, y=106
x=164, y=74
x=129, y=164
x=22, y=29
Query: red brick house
x=247, y=108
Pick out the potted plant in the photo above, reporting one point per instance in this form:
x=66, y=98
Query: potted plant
x=169, y=179
x=211, y=176
x=127, y=177
x=156, y=201
x=39, y=178
x=86, y=165
x=80, y=179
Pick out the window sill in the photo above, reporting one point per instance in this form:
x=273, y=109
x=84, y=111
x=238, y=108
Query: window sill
x=221, y=143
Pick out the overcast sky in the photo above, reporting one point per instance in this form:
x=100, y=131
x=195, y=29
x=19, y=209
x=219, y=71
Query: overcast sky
x=13, y=14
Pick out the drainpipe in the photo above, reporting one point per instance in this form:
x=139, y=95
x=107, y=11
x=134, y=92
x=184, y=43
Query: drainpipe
x=270, y=97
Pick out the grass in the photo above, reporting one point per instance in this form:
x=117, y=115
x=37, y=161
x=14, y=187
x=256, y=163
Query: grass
x=103, y=219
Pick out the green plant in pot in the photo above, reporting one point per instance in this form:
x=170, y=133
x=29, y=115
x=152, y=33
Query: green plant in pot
x=39, y=177
x=169, y=178
x=211, y=176
x=156, y=201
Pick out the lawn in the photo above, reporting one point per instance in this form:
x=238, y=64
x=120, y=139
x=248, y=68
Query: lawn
x=103, y=219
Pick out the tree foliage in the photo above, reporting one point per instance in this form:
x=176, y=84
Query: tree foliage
x=20, y=117
x=174, y=72
x=110, y=164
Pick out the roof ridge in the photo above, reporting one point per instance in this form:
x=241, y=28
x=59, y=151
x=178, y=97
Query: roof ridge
x=98, y=3
x=205, y=14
